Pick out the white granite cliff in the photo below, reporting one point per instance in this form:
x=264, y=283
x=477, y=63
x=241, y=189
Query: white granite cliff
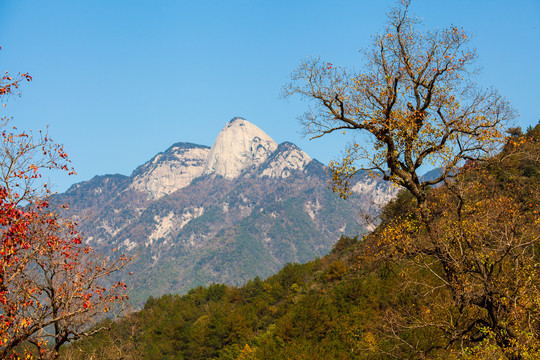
x=239, y=146
x=170, y=171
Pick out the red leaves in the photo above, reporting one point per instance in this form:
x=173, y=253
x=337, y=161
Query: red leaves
x=8, y=84
x=87, y=304
x=42, y=257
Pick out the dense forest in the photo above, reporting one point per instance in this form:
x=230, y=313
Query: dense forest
x=463, y=285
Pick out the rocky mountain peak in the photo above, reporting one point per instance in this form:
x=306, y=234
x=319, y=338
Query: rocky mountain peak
x=239, y=146
x=171, y=170
x=287, y=157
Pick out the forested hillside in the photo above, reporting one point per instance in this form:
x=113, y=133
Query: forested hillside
x=387, y=295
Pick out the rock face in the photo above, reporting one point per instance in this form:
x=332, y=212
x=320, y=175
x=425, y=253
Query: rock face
x=194, y=215
x=287, y=158
x=239, y=146
x=379, y=192
x=170, y=171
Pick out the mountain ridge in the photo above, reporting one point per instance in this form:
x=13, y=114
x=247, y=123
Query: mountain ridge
x=193, y=228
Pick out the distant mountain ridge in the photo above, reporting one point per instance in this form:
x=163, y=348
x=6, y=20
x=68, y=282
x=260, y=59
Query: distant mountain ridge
x=196, y=214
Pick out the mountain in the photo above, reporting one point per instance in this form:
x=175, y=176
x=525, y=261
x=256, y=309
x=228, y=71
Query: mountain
x=239, y=146
x=172, y=170
x=195, y=215
x=371, y=299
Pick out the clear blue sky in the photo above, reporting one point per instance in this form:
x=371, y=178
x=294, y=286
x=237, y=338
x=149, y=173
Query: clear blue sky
x=121, y=80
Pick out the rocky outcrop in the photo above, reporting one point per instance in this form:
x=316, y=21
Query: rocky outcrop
x=239, y=146
x=287, y=158
x=170, y=171
x=378, y=191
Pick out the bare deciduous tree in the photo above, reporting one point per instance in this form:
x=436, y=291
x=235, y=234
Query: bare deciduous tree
x=415, y=99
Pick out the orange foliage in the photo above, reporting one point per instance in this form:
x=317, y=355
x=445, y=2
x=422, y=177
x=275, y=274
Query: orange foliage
x=52, y=286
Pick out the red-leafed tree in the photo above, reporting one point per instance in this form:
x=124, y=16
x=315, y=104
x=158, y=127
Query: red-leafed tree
x=52, y=286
